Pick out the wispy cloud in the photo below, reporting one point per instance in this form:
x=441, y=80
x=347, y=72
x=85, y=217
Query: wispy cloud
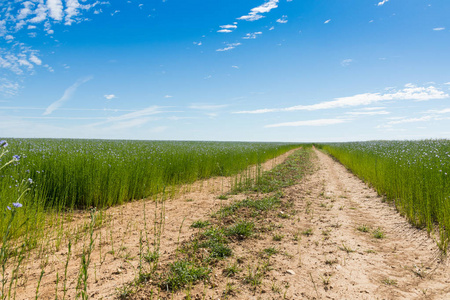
x=68, y=93
x=411, y=120
x=382, y=2
x=346, y=62
x=256, y=13
x=229, y=47
x=202, y=106
x=327, y=21
x=227, y=28
x=19, y=59
x=409, y=92
x=110, y=96
x=439, y=28
x=368, y=113
x=283, y=19
x=318, y=122
x=252, y=35
x=441, y=111
x=8, y=88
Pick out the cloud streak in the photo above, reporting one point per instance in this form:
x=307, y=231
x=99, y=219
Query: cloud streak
x=256, y=12
x=318, y=122
x=409, y=92
x=229, y=47
x=68, y=93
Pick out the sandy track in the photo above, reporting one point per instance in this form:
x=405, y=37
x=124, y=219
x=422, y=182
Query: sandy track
x=406, y=264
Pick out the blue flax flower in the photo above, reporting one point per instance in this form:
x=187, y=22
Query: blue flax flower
x=17, y=204
x=16, y=157
x=3, y=143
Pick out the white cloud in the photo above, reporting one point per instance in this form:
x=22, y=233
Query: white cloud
x=442, y=111
x=439, y=28
x=346, y=62
x=252, y=35
x=224, y=30
x=201, y=106
x=411, y=120
x=283, y=19
x=168, y=96
x=8, y=88
x=55, y=8
x=382, y=2
x=318, y=122
x=152, y=110
x=409, y=92
x=228, y=26
x=255, y=13
x=368, y=113
x=327, y=21
x=34, y=59
x=229, y=47
x=68, y=93
x=17, y=59
x=235, y=67
x=110, y=96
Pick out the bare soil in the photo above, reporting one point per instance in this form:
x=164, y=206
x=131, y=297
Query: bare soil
x=321, y=255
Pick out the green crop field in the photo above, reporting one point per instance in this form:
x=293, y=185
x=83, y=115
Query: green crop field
x=62, y=174
x=413, y=174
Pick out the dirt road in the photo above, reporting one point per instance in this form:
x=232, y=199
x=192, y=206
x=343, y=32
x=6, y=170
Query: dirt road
x=342, y=258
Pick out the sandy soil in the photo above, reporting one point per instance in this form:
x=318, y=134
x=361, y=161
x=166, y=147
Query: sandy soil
x=115, y=254
x=335, y=261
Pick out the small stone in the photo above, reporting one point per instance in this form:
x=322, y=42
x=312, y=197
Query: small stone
x=290, y=272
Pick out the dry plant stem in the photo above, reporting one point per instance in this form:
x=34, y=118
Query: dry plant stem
x=65, y=269
x=315, y=287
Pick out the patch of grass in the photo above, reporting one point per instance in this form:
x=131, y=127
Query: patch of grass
x=270, y=251
x=125, y=292
x=256, y=273
x=214, y=234
x=307, y=232
x=346, y=248
x=215, y=240
x=283, y=175
x=223, y=197
x=151, y=256
x=283, y=215
x=241, y=230
x=388, y=281
x=182, y=273
x=277, y=237
x=363, y=228
x=379, y=234
x=257, y=206
x=231, y=270
x=230, y=290
x=200, y=224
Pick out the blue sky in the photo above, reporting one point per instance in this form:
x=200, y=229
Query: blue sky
x=255, y=70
